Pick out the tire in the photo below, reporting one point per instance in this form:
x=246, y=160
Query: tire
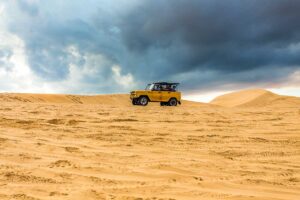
x=143, y=101
x=172, y=102
x=163, y=103
x=135, y=102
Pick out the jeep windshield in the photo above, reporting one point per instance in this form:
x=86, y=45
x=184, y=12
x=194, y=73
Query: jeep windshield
x=149, y=86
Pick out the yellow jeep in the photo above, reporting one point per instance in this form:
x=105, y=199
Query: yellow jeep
x=163, y=92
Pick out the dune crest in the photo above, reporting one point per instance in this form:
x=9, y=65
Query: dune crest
x=255, y=98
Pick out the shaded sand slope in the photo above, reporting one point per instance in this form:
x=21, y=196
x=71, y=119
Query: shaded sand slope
x=97, y=151
x=255, y=98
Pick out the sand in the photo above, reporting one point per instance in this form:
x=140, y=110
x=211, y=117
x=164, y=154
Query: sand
x=102, y=147
x=255, y=98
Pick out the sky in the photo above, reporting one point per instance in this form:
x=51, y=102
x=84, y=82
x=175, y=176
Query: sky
x=101, y=46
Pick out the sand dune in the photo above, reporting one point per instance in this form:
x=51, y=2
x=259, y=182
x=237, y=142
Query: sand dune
x=101, y=147
x=255, y=98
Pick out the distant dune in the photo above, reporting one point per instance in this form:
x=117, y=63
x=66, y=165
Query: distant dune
x=255, y=98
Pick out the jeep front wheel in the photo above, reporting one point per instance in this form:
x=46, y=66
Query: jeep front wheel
x=143, y=101
x=173, y=102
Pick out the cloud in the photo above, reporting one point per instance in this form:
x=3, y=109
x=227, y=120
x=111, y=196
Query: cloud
x=125, y=81
x=5, y=56
x=29, y=6
x=233, y=42
x=114, y=47
x=15, y=74
x=1, y=9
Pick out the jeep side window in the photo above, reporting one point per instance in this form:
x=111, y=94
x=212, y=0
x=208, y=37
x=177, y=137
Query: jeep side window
x=169, y=88
x=150, y=87
x=165, y=88
x=156, y=87
x=175, y=87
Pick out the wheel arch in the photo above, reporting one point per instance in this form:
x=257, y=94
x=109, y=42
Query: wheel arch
x=173, y=98
x=144, y=96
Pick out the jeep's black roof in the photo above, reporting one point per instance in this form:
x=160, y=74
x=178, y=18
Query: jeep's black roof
x=167, y=83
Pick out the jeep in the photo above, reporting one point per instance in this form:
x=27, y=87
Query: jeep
x=163, y=92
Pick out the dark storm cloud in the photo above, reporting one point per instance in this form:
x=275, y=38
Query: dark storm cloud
x=55, y=26
x=223, y=36
x=46, y=47
x=202, y=43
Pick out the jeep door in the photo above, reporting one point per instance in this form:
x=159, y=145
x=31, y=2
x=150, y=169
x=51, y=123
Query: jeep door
x=166, y=96
x=155, y=94
x=166, y=92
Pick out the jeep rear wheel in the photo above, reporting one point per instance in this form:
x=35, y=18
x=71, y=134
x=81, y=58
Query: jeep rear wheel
x=143, y=101
x=163, y=103
x=173, y=102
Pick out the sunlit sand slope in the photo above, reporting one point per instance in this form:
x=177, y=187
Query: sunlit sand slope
x=255, y=98
x=61, y=147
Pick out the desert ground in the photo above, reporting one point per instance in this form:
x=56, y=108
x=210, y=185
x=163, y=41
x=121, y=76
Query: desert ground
x=244, y=145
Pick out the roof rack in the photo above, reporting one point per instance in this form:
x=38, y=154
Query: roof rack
x=167, y=83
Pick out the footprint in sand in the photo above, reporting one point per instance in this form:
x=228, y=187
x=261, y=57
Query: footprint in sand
x=55, y=121
x=57, y=194
x=23, y=197
x=61, y=163
x=2, y=140
x=72, y=122
x=24, y=178
x=72, y=149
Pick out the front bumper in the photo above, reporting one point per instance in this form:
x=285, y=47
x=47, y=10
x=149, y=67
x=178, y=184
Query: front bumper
x=133, y=96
